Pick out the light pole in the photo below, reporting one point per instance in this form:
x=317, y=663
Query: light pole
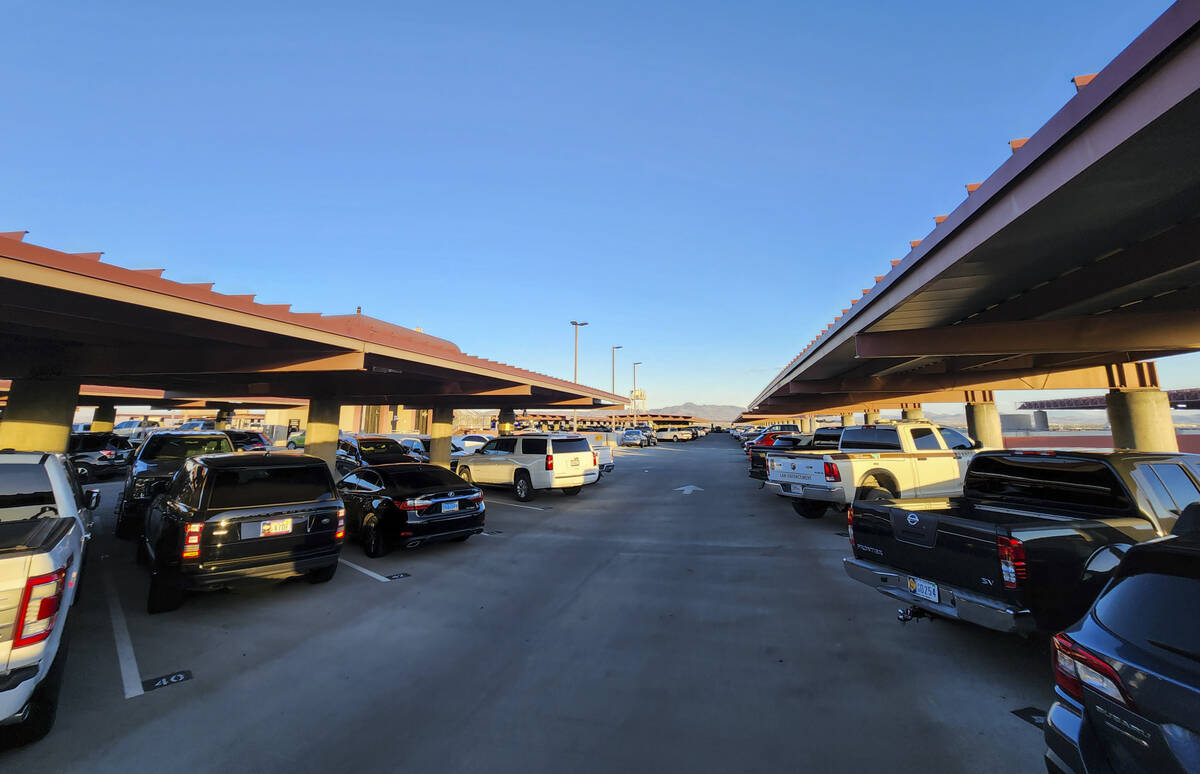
x=614, y=375
x=575, y=412
x=633, y=395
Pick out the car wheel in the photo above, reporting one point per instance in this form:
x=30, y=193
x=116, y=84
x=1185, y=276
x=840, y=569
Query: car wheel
x=163, y=597
x=323, y=575
x=809, y=509
x=873, y=493
x=522, y=486
x=291, y=445
x=571, y=491
x=84, y=472
x=127, y=526
x=372, y=540
x=43, y=704
x=465, y=475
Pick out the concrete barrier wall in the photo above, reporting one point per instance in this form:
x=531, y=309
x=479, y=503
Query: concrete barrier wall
x=1188, y=442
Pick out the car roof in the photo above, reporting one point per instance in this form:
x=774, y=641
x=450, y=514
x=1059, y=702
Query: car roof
x=10, y=457
x=399, y=466
x=189, y=433
x=263, y=459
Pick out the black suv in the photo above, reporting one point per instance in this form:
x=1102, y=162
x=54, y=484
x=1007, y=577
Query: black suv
x=229, y=518
x=153, y=466
x=98, y=455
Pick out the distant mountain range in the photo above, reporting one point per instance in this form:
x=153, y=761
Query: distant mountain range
x=702, y=411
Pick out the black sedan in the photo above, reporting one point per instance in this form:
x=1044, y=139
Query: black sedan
x=409, y=504
x=1127, y=676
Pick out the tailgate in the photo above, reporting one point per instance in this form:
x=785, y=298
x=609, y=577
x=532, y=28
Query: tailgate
x=928, y=538
x=13, y=571
x=249, y=533
x=796, y=469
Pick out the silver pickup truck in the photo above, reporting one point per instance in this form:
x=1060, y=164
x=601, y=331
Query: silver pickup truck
x=45, y=524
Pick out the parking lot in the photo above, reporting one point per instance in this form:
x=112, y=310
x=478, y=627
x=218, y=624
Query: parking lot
x=646, y=625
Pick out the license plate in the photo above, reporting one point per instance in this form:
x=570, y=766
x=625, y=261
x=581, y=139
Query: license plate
x=575, y=462
x=450, y=507
x=277, y=527
x=923, y=589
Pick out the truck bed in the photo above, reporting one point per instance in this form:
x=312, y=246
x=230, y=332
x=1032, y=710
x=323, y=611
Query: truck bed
x=32, y=535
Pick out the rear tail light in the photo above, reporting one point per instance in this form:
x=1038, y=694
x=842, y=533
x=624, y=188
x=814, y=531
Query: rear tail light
x=107, y=454
x=850, y=526
x=1012, y=561
x=191, y=540
x=549, y=462
x=411, y=504
x=1074, y=668
x=832, y=473
x=595, y=460
x=476, y=498
x=340, y=534
x=39, y=607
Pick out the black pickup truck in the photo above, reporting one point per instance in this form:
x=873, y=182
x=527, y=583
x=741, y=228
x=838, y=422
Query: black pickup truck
x=1031, y=541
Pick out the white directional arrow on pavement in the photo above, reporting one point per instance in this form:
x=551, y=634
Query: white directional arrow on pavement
x=688, y=489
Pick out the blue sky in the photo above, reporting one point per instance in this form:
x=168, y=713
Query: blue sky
x=707, y=184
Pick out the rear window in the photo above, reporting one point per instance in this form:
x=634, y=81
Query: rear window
x=25, y=493
x=180, y=447
x=420, y=477
x=380, y=446
x=256, y=487
x=1147, y=608
x=570, y=445
x=1070, y=482
x=872, y=438
x=87, y=443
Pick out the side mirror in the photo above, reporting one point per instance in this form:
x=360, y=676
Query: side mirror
x=93, y=498
x=977, y=445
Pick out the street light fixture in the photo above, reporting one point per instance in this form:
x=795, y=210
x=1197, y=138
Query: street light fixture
x=633, y=395
x=575, y=412
x=614, y=372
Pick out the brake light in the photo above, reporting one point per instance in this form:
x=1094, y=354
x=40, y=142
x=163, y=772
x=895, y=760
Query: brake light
x=411, y=504
x=39, y=607
x=1074, y=668
x=850, y=526
x=476, y=498
x=106, y=454
x=832, y=473
x=549, y=462
x=595, y=460
x=191, y=540
x=340, y=534
x=1012, y=561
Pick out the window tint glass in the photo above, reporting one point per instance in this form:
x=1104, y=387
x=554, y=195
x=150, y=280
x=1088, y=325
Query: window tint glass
x=381, y=446
x=506, y=445
x=412, y=477
x=533, y=445
x=1148, y=609
x=873, y=438
x=1181, y=488
x=351, y=482
x=118, y=443
x=253, y=487
x=86, y=443
x=954, y=439
x=1076, y=483
x=180, y=447
x=24, y=493
x=193, y=476
x=570, y=445
x=490, y=446
x=371, y=480
x=924, y=438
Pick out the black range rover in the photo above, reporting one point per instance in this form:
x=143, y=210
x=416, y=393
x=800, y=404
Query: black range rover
x=229, y=518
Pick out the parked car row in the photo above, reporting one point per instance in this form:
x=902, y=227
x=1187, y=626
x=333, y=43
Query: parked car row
x=1100, y=549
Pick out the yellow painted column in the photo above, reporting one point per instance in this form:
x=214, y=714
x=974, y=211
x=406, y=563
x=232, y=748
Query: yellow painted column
x=848, y=420
x=983, y=424
x=222, y=420
x=913, y=413
x=505, y=422
x=1141, y=419
x=440, y=429
x=38, y=416
x=321, y=432
x=870, y=417
x=104, y=418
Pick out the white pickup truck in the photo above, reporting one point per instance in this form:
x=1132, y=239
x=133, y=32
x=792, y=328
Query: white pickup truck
x=45, y=524
x=883, y=461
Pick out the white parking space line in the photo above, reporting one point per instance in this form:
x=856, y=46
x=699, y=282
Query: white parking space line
x=365, y=571
x=514, y=505
x=130, y=676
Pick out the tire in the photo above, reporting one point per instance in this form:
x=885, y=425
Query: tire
x=163, y=597
x=465, y=475
x=873, y=493
x=143, y=554
x=371, y=537
x=809, y=509
x=43, y=704
x=522, y=487
x=291, y=445
x=84, y=472
x=571, y=491
x=323, y=575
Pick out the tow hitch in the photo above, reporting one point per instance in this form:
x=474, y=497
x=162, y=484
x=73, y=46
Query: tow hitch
x=906, y=614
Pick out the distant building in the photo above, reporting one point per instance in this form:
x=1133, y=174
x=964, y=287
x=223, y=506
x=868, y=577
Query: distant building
x=1024, y=423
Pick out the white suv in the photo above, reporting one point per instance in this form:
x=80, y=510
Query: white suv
x=672, y=434
x=531, y=462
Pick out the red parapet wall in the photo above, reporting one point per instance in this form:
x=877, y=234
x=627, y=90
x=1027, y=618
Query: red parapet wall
x=1187, y=443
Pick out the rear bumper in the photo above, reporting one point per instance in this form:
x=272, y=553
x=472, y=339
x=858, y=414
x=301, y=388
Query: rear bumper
x=435, y=529
x=563, y=482
x=834, y=495
x=229, y=573
x=1063, y=731
x=15, y=689
x=953, y=603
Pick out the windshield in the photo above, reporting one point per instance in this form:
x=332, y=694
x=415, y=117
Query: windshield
x=380, y=446
x=25, y=493
x=180, y=447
